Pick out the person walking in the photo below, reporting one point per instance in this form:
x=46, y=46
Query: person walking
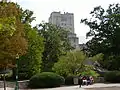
x=80, y=80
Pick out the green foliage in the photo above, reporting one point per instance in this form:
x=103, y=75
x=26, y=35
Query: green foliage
x=12, y=40
x=45, y=80
x=7, y=26
x=105, y=32
x=112, y=76
x=27, y=16
x=70, y=64
x=90, y=73
x=98, y=57
x=56, y=44
x=30, y=64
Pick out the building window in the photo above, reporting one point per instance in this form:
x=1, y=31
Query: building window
x=63, y=18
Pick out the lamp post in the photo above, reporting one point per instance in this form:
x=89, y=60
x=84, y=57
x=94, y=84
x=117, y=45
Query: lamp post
x=17, y=86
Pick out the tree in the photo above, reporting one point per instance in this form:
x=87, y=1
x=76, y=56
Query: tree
x=30, y=63
x=98, y=57
x=56, y=44
x=27, y=16
x=105, y=30
x=12, y=40
x=96, y=60
x=70, y=64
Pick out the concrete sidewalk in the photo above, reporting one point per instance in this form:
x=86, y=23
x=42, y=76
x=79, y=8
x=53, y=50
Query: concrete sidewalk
x=58, y=88
x=97, y=85
x=101, y=85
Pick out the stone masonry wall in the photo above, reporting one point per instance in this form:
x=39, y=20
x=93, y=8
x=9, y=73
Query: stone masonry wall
x=22, y=84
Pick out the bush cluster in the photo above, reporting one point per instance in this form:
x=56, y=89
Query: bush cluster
x=112, y=76
x=46, y=80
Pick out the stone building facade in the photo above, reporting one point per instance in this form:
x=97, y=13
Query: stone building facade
x=66, y=21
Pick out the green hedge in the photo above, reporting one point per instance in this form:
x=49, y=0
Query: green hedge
x=112, y=76
x=46, y=80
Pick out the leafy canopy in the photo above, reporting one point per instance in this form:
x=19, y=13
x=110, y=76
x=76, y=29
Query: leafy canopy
x=12, y=40
x=55, y=44
x=70, y=64
x=105, y=31
x=30, y=63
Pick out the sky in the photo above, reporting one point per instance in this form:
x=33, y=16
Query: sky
x=81, y=9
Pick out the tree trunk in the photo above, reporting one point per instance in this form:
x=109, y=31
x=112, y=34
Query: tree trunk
x=4, y=80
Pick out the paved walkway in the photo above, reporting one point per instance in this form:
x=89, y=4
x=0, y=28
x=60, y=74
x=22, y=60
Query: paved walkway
x=101, y=85
x=89, y=87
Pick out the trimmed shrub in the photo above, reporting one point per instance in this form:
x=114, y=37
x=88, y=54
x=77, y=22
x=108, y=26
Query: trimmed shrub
x=112, y=77
x=46, y=80
x=69, y=80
